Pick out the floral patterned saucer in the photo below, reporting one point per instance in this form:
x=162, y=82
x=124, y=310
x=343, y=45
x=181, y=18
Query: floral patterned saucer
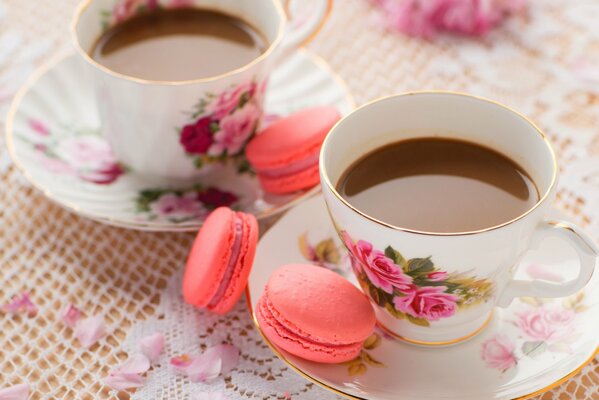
x=53, y=137
x=526, y=349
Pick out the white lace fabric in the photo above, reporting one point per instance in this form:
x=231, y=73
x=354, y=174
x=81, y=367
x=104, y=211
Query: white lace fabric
x=133, y=278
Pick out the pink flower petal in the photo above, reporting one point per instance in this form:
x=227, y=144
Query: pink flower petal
x=229, y=355
x=138, y=364
x=16, y=392
x=210, y=396
x=123, y=381
x=39, y=127
x=70, y=315
x=20, y=303
x=180, y=363
x=152, y=345
x=89, y=330
x=204, y=368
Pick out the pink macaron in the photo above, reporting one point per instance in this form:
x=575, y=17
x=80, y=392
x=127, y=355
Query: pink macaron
x=220, y=260
x=315, y=314
x=285, y=155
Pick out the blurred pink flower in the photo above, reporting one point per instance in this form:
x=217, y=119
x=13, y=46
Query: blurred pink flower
x=230, y=99
x=39, y=127
x=430, y=302
x=498, y=353
x=425, y=18
x=85, y=152
x=546, y=323
x=235, y=130
x=172, y=205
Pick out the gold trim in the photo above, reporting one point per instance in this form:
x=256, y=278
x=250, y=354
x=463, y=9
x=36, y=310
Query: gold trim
x=562, y=379
x=317, y=30
x=331, y=187
x=291, y=365
x=440, y=343
x=283, y=19
x=274, y=44
x=74, y=208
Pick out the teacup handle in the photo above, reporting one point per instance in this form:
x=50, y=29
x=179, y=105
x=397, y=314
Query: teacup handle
x=587, y=254
x=301, y=31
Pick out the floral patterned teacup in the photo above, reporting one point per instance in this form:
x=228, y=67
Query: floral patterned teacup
x=440, y=288
x=177, y=129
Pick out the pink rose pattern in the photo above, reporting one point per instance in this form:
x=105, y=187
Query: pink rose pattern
x=223, y=123
x=542, y=325
x=182, y=205
x=84, y=155
x=413, y=289
x=125, y=9
x=425, y=18
x=498, y=353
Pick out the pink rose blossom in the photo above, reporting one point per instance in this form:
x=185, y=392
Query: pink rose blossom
x=536, y=271
x=86, y=152
x=424, y=18
x=229, y=100
x=437, y=276
x=173, y=206
x=498, y=353
x=16, y=392
x=429, y=302
x=56, y=165
x=214, y=197
x=548, y=324
x=39, y=127
x=235, y=130
x=104, y=175
x=180, y=3
x=125, y=9
x=380, y=269
x=196, y=138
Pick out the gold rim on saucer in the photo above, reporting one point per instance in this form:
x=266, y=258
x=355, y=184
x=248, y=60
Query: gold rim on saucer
x=291, y=365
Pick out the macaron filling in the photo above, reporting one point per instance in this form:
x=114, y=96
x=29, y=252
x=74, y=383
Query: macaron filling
x=291, y=168
x=233, y=258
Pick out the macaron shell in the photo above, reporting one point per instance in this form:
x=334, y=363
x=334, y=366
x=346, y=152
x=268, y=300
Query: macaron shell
x=291, y=183
x=243, y=265
x=209, y=257
x=292, y=138
x=294, y=344
x=321, y=303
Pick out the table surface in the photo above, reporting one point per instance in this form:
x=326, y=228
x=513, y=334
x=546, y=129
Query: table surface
x=533, y=63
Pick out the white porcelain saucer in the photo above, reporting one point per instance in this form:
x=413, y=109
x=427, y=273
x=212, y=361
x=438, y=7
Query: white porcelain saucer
x=53, y=137
x=527, y=348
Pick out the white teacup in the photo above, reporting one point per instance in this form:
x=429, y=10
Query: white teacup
x=466, y=274
x=167, y=128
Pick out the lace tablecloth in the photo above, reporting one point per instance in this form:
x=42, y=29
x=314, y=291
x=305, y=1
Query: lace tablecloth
x=540, y=64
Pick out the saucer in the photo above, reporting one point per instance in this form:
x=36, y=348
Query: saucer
x=518, y=355
x=53, y=137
